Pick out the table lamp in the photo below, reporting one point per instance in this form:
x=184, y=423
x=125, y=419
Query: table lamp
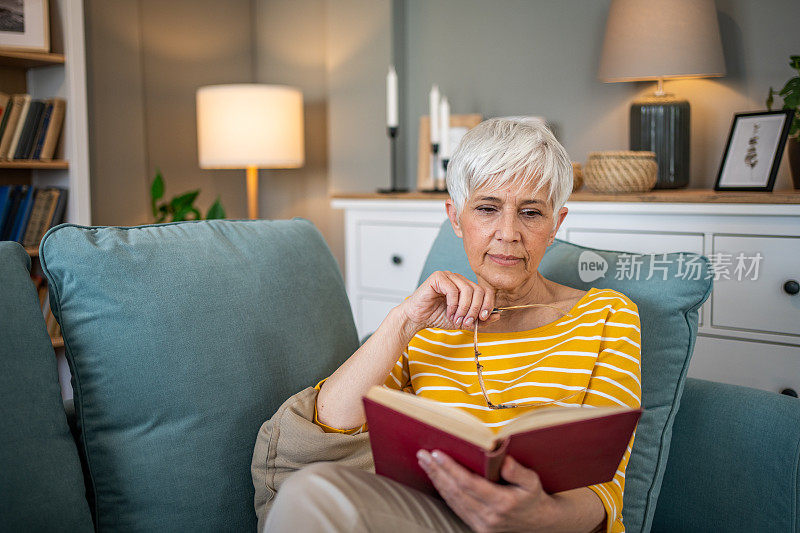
x=250, y=126
x=658, y=40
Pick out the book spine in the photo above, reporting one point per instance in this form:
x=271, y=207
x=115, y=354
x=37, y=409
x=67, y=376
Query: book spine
x=54, y=130
x=29, y=129
x=58, y=214
x=40, y=201
x=494, y=462
x=7, y=103
x=5, y=192
x=18, y=101
x=23, y=214
x=23, y=116
x=38, y=143
x=52, y=203
x=11, y=216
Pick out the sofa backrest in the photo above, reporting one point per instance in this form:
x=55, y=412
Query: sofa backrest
x=41, y=484
x=668, y=304
x=183, y=338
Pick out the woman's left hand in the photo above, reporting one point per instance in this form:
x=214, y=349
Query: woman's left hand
x=486, y=506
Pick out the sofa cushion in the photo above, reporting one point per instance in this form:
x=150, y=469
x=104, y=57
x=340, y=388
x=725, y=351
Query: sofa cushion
x=41, y=485
x=668, y=313
x=183, y=338
x=755, y=474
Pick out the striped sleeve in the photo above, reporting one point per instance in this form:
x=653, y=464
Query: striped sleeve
x=616, y=381
x=399, y=378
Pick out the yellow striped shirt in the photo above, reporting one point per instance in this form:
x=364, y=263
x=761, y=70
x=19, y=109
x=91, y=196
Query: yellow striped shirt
x=596, y=347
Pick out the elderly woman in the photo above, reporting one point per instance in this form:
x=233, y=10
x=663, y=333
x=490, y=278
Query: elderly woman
x=508, y=182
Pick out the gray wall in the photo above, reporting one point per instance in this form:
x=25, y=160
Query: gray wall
x=145, y=60
x=510, y=57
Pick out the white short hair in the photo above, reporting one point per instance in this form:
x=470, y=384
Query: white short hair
x=503, y=151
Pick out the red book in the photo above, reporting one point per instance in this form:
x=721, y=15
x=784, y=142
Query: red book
x=568, y=447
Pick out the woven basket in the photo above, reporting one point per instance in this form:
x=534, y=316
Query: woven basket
x=577, y=176
x=624, y=171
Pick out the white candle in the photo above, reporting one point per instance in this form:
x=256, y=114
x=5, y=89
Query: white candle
x=434, y=114
x=391, y=98
x=444, y=115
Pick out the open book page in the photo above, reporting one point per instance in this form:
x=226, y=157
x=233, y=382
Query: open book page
x=472, y=429
x=452, y=420
x=554, y=416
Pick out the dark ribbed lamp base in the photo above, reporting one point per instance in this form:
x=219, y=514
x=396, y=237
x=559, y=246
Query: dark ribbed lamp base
x=660, y=124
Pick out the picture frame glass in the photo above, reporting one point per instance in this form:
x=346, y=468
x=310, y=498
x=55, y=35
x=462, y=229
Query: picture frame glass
x=754, y=144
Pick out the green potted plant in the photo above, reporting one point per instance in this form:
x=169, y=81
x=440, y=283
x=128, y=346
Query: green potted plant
x=181, y=207
x=791, y=100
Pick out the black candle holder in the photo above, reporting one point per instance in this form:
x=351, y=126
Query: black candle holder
x=445, y=162
x=434, y=170
x=395, y=187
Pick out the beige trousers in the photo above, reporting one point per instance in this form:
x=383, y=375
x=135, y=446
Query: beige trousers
x=331, y=497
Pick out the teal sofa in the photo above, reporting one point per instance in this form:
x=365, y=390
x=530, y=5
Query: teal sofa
x=183, y=338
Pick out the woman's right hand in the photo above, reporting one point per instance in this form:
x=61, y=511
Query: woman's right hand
x=449, y=301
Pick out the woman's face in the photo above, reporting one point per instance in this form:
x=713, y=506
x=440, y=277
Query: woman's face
x=505, y=233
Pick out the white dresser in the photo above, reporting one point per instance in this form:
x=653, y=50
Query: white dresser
x=749, y=329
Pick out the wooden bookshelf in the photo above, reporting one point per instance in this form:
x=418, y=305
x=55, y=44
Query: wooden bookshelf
x=33, y=164
x=20, y=59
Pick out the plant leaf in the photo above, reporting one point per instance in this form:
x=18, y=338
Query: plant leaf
x=216, y=211
x=770, y=99
x=794, y=62
x=791, y=101
x=184, y=200
x=156, y=190
x=792, y=86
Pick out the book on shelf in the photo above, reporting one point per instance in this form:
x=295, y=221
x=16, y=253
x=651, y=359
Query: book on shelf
x=27, y=212
x=52, y=136
x=17, y=194
x=38, y=142
x=23, y=214
x=8, y=123
x=20, y=125
x=568, y=447
x=5, y=108
x=30, y=129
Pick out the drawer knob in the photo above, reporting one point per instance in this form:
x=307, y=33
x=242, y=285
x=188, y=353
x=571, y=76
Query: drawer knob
x=397, y=260
x=789, y=392
x=791, y=287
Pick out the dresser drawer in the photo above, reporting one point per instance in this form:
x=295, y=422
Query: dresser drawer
x=371, y=312
x=758, y=301
x=759, y=365
x=639, y=242
x=391, y=257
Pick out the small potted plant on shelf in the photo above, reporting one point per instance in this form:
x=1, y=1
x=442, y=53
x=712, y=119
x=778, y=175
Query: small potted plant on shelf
x=791, y=100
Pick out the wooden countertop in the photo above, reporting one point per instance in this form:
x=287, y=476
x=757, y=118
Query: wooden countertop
x=691, y=196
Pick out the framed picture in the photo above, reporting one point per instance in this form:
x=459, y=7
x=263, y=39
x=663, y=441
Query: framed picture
x=459, y=125
x=24, y=25
x=754, y=150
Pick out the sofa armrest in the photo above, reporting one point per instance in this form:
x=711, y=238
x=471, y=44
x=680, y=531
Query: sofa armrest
x=733, y=462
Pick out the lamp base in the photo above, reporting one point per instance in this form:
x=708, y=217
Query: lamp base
x=252, y=193
x=660, y=124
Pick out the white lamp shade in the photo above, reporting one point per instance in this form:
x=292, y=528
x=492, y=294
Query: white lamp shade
x=651, y=39
x=250, y=125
